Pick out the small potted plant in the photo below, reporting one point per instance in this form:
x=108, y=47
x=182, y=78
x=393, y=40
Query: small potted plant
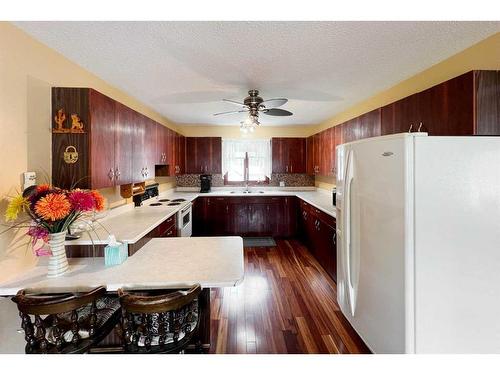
x=47, y=212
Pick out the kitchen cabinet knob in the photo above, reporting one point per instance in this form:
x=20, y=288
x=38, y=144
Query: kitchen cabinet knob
x=111, y=174
x=117, y=173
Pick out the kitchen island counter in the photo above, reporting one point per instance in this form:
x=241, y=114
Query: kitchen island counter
x=163, y=263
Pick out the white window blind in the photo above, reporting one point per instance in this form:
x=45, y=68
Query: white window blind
x=234, y=152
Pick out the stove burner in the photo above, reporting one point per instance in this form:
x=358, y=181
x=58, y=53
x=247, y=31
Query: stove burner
x=174, y=204
x=155, y=204
x=179, y=200
x=164, y=200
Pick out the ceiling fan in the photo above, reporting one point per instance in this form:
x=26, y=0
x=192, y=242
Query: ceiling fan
x=254, y=104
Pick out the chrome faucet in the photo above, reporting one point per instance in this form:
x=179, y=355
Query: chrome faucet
x=246, y=178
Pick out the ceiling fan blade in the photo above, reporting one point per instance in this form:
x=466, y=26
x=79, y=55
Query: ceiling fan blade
x=233, y=102
x=226, y=113
x=273, y=103
x=277, y=112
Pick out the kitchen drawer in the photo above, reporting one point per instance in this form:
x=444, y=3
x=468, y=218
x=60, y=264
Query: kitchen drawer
x=165, y=226
x=170, y=232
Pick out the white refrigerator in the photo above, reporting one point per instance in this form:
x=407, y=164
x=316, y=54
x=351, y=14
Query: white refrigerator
x=418, y=236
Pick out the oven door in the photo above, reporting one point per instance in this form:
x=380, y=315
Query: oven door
x=184, y=221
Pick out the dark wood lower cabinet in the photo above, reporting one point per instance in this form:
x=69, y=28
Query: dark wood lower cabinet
x=245, y=216
x=279, y=217
x=318, y=232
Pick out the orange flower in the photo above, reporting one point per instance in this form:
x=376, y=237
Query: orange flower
x=99, y=200
x=53, y=207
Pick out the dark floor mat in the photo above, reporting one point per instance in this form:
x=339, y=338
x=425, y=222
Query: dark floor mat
x=259, y=242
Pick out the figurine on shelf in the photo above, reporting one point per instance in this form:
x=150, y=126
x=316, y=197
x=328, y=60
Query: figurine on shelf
x=59, y=119
x=76, y=124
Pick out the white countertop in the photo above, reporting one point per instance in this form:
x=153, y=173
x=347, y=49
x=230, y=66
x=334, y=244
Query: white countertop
x=319, y=198
x=162, y=263
x=129, y=224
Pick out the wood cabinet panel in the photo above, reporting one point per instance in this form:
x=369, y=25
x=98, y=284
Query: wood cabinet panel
x=318, y=231
x=245, y=216
x=447, y=108
x=487, y=88
x=215, y=165
x=278, y=157
x=310, y=155
x=102, y=140
x=370, y=124
x=203, y=155
x=288, y=155
x=123, y=144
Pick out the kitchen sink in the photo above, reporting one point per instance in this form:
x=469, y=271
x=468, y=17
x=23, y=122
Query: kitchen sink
x=247, y=192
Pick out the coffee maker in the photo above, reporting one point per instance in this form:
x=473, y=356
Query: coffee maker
x=205, y=183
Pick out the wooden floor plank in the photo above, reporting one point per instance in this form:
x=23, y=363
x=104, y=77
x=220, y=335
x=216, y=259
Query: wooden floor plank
x=286, y=304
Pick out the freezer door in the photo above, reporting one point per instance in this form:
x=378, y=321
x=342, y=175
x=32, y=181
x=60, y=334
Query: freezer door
x=371, y=253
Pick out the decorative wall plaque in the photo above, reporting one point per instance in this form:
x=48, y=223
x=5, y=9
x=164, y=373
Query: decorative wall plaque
x=60, y=118
x=70, y=155
x=76, y=124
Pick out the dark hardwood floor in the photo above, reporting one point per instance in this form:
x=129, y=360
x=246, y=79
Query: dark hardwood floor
x=286, y=304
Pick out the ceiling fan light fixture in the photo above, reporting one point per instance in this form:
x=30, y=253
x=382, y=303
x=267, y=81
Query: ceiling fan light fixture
x=249, y=124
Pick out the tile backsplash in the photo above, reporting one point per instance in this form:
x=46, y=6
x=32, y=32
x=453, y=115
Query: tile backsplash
x=295, y=179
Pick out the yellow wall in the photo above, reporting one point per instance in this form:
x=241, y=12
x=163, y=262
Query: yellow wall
x=233, y=132
x=28, y=69
x=484, y=55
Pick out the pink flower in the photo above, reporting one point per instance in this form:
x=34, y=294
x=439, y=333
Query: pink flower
x=82, y=200
x=39, y=233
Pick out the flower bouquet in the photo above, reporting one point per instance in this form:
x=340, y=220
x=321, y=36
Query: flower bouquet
x=50, y=212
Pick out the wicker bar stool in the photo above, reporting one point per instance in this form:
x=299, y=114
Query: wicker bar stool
x=66, y=323
x=165, y=323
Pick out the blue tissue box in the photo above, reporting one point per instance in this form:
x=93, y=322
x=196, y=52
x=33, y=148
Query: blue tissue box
x=115, y=254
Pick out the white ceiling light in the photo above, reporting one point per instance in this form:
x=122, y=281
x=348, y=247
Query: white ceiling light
x=249, y=124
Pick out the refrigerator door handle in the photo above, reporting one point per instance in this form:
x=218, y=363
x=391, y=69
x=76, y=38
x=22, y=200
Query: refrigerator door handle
x=351, y=292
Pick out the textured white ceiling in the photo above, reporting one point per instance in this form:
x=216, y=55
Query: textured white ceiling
x=184, y=69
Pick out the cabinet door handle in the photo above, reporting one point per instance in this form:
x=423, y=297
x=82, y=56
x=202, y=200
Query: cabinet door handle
x=111, y=174
x=287, y=168
x=411, y=128
x=117, y=173
x=291, y=168
x=420, y=127
x=334, y=238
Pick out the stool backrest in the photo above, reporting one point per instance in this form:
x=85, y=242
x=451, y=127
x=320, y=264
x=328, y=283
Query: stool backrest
x=57, y=324
x=158, y=319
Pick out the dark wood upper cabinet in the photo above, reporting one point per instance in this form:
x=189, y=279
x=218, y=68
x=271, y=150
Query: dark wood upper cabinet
x=102, y=150
x=143, y=148
x=487, y=100
x=102, y=140
x=118, y=145
x=203, y=155
x=180, y=154
x=288, y=155
x=123, y=144
x=465, y=105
